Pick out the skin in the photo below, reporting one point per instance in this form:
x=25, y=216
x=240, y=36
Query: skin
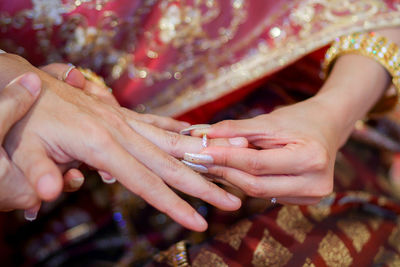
x=297, y=144
x=67, y=125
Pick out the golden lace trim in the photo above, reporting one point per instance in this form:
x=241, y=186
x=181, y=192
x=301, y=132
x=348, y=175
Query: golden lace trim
x=375, y=47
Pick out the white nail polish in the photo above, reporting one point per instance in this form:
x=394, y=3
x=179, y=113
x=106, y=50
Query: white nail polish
x=76, y=182
x=198, y=158
x=30, y=215
x=109, y=181
x=194, y=127
x=3, y=52
x=196, y=167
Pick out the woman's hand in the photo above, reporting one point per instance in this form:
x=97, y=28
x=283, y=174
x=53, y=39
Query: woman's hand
x=294, y=159
x=67, y=124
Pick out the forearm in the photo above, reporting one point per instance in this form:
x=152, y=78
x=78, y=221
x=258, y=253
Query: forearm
x=354, y=86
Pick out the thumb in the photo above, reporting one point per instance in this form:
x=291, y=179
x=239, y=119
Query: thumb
x=16, y=99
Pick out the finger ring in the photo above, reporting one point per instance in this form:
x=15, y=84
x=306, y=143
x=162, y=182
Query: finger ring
x=273, y=200
x=65, y=76
x=205, y=140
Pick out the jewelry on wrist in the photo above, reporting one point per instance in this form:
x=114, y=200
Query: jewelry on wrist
x=375, y=47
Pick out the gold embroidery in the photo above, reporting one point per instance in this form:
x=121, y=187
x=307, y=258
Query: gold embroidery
x=375, y=223
x=356, y=231
x=308, y=263
x=322, y=209
x=235, y=234
x=208, y=258
x=334, y=251
x=293, y=222
x=394, y=239
x=387, y=258
x=270, y=252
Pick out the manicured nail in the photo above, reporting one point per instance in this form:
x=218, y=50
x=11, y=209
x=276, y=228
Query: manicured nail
x=30, y=214
x=196, y=167
x=200, y=220
x=184, y=124
x=76, y=182
x=237, y=141
x=233, y=198
x=30, y=82
x=195, y=127
x=109, y=180
x=198, y=158
x=3, y=52
x=45, y=185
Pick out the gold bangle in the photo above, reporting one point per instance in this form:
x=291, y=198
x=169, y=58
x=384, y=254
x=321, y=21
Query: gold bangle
x=93, y=77
x=375, y=47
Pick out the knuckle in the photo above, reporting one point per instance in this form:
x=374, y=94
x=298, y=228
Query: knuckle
x=255, y=166
x=173, y=140
x=323, y=189
x=253, y=188
x=319, y=159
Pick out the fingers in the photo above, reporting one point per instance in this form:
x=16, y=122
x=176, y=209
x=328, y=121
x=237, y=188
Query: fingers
x=73, y=180
x=141, y=181
x=177, y=145
x=257, y=162
x=102, y=92
x=228, y=128
x=165, y=123
x=67, y=73
x=279, y=186
x=40, y=170
x=16, y=99
x=176, y=174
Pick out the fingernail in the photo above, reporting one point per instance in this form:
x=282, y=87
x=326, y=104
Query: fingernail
x=30, y=83
x=109, y=180
x=76, y=182
x=185, y=124
x=204, y=141
x=233, y=198
x=237, y=141
x=200, y=220
x=195, y=167
x=30, y=214
x=45, y=185
x=198, y=158
x=3, y=52
x=195, y=127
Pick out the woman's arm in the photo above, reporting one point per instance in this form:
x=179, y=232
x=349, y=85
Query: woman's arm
x=298, y=142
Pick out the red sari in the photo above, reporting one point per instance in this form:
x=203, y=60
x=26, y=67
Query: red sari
x=209, y=60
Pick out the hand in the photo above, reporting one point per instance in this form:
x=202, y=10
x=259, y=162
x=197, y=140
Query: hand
x=67, y=125
x=15, y=101
x=294, y=159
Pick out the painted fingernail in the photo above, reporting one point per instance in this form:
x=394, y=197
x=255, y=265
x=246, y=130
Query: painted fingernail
x=237, y=141
x=233, y=198
x=76, y=182
x=195, y=127
x=30, y=214
x=3, y=52
x=184, y=124
x=30, y=82
x=66, y=74
x=109, y=180
x=196, y=167
x=198, y=158
x=200, y=220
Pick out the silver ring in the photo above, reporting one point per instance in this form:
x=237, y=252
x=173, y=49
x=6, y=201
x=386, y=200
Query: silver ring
x=204, y=141
x=71, y=67
x=273, y=200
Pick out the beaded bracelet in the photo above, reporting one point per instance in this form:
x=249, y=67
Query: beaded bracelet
x=375, y=47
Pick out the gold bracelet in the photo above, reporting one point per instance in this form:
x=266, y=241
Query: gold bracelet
x=375, y=47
